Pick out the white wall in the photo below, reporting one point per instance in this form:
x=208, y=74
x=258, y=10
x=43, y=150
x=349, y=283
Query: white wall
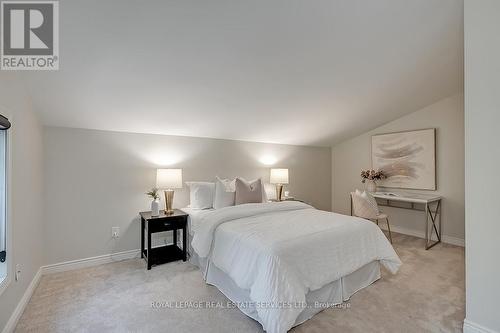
x=26, y=191
x=97, y=179
x=482, y=133
x=353, y=155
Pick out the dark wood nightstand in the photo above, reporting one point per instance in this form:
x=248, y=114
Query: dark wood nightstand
x=172, y=222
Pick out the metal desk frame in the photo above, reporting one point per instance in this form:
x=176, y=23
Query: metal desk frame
x=432, y=209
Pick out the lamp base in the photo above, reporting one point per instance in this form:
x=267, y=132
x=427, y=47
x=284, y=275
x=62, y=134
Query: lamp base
x=169, y=201
x=279, y=192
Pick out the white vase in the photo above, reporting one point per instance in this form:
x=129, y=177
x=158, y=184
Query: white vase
x=155, y=208
x=370, y=186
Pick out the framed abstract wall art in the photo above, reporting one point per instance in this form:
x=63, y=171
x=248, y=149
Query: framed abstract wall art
x=408, y=159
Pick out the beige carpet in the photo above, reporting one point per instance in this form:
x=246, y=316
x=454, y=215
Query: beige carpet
x=427, y=295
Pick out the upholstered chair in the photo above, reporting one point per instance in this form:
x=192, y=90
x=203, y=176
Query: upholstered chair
x=365, y=206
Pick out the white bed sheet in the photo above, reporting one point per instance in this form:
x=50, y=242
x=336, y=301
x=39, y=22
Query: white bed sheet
x=195, y=217
x=280, y=252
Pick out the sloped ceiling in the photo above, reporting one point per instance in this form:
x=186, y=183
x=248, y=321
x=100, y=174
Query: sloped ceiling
x=284, y=71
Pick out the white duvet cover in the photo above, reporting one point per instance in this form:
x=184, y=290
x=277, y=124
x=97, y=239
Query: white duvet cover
x=281, y=251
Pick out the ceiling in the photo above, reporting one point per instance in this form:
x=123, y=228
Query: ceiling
x=282, y=71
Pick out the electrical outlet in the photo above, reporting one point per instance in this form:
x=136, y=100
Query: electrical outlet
x=18, y=272
x=115, y=232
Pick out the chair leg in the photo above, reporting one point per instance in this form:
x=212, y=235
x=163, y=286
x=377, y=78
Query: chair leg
x=376, y=221
x=389, y=229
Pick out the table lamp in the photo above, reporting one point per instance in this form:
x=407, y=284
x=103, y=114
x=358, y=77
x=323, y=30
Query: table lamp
x=168, y=180
x=279, y=177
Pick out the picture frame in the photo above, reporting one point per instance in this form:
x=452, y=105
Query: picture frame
x=407, y=158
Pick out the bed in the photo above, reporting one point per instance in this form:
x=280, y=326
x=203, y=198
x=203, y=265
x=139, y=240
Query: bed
x=283, y=262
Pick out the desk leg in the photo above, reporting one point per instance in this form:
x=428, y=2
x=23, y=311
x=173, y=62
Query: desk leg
x=433, y=227
x=142, y=237
x=438, y=209
x=184, y=244
x=175, y=236
x=426, y=226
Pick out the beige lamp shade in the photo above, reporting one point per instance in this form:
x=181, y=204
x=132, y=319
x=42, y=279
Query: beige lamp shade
x=169, y=178
x=279, y=176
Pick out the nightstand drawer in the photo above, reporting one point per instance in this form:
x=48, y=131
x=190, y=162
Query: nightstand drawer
x=171, y=223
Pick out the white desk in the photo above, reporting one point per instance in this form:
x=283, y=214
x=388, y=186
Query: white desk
x=431, y=208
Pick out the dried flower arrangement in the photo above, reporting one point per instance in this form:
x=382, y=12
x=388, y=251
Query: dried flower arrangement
x=371, y=175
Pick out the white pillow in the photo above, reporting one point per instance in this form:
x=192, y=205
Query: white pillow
x=201, y=194
x=224, y=193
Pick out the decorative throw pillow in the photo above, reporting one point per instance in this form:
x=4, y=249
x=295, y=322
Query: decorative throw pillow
x=371, y=201
x=224, y=193
x=201, y=194
x=361, y=207
x=248, y=192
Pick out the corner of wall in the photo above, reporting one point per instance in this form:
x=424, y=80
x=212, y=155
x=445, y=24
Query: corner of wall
x=26, y=172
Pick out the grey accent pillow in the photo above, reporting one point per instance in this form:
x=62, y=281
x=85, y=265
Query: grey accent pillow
x=248, y=192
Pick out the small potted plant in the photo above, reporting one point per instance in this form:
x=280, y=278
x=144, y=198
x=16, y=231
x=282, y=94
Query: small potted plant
x=369, y=178
x=155, y=205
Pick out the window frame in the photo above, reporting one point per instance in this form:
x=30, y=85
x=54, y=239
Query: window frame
x=8, y=216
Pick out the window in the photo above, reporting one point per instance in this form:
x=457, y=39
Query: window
x=4, y=126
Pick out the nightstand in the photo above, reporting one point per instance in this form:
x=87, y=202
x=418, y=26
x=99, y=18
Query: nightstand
x=172, y=222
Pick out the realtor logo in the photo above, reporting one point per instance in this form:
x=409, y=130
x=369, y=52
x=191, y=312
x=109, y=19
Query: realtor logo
x=29, y=35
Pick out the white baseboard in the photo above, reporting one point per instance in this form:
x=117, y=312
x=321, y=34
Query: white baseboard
x=454, y=241
x=470, y=327
x=18, y=311
x=421, y=234
x=62, y=267
x=88, y=262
